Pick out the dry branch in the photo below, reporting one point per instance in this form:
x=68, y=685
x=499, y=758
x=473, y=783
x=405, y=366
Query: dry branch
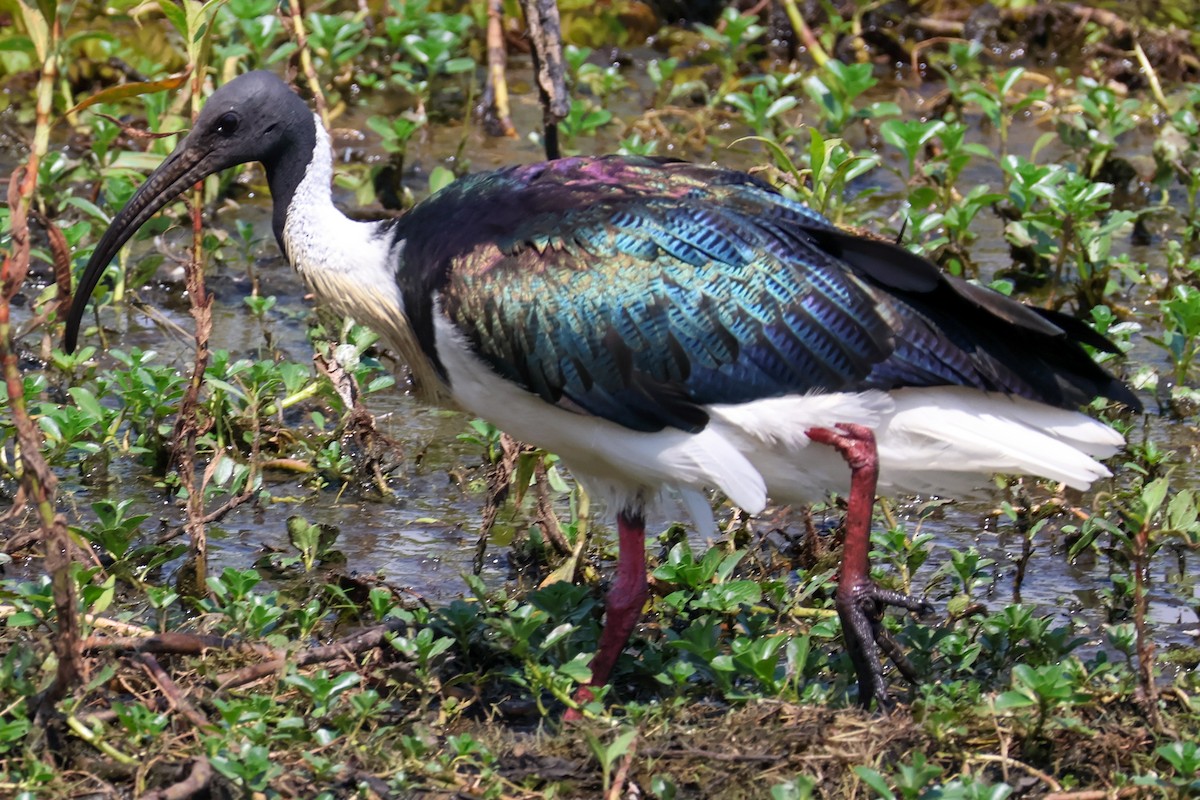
x=37, y=480
x=180, y=644
x=545, y=31
x=293, y=19
x=493, y=107
x=171, y=691
x=349, y=646
x=194, y=784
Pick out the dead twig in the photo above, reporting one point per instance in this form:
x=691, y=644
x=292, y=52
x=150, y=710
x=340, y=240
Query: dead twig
x=1009, y=761
x=618, y=778
x=545, y=31
x=213, y=516
x=37, y=479
x=349, y=646
x=293, y=20
x=175, y=643
x=711, y=755
x=493, y=106
x=171, y=691
x=61, y=253
x=188, y=425
x=373, y=450
x=499, y=481
x=545, y=511
x=194, y=784
x=1100, y=794
x=95, y=621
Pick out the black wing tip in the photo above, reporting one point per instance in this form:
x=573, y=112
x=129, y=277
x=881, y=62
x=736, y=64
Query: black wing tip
x=900, y=269
x=1078, y=332
x=1077, y=329
x=1119, y=392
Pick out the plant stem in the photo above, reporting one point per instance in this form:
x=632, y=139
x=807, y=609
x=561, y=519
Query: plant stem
x=805, y=34
x=37, y=478
x=89, y=736
x=187, y=425
x=1145, y=644
x=306, y=64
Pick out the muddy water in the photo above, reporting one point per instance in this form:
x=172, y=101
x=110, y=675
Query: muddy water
x=423, y=537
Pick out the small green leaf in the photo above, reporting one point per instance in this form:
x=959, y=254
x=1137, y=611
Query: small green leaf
x=439, y=178
x=175, y=15
x=1153, y=495
x=1011, y=700
x=577, y=669
x=876, y=781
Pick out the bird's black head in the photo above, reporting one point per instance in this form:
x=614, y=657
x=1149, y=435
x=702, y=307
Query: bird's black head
x=254, y=117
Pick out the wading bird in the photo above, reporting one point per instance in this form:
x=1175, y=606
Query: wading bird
x=669, y=326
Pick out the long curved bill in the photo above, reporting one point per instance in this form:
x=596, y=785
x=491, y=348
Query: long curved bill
x=183, y=168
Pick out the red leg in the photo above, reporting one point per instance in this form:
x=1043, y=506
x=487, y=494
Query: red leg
x=623, y=605
x=859, y=601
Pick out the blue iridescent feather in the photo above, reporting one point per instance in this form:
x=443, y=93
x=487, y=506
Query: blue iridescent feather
x=642, y=290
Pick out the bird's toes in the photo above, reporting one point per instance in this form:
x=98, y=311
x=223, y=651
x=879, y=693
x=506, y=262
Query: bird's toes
x=888, y=597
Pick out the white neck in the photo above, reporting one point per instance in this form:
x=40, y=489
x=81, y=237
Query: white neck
x=317, y=237
x=351, y=266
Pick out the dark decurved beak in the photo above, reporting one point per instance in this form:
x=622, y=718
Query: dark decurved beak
x=183, y=168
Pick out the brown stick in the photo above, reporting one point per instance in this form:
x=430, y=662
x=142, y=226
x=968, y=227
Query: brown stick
x=176, y=643
x=545, y=511
x=351, y=645
x=494, y=108
x=1145, y=642
x=187, y=424
x=499, y=482
x=711, y=755
x=175, y=696
x=545, y=31
x=940, y=28
x=38, y=481
x=296, y=14
x=804, y=33
x=1008, y=761
x=1100, y=794
x=195, y=783
x=1105, y=19
x=62, y=276
x=213, y=516
x=366, y=639
x=96, y=621
x=250, y=674
x=37, y=478
x=618, y=780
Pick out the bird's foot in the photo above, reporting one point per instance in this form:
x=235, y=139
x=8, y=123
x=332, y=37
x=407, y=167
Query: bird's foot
x=860, y=607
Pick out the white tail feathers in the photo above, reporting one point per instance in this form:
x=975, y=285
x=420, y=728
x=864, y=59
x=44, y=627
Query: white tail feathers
x=968, y=432
x=935, y=440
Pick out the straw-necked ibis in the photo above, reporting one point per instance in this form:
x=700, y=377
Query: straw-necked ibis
x=665, y=325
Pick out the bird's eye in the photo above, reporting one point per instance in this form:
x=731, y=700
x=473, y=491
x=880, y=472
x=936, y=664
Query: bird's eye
x=227, y=125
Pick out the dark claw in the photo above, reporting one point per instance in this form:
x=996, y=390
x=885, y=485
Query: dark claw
x=861, y=611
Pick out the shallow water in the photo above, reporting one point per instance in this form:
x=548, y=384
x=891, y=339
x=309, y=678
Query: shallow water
x=423, y=536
